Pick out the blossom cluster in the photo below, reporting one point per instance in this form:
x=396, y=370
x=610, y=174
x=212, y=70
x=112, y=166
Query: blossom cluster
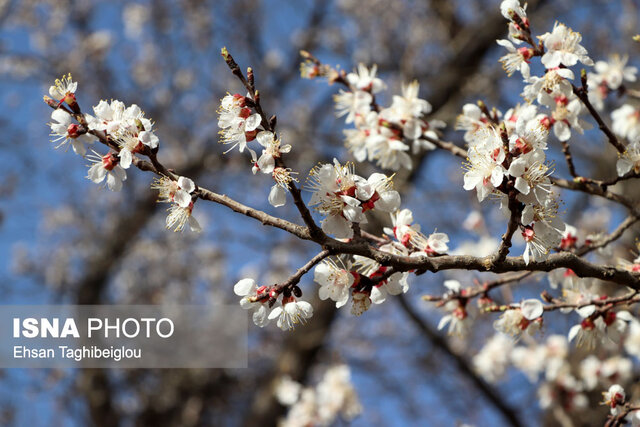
x=507, y=155
x=240, y=124
x=560, y=384
x=129, y=133
x=333, y=397
x=509, y=163
x=384, y=135
x=344, y=197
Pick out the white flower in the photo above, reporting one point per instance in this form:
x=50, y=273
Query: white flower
x=507, y=7
x=115, y=118
x=626, y=122
x=434, y=244
x=291, y=313
x=389, y=151
x=272, y=150
x=629, y=160
x=563, y=47
x=492, y=361
x=614, y=398
x=148, y=138
x=179, y=216
x=358, y=141
x=287, y=391
x=531, y=309
x=63, y=88
x=283, y=178
x=614, y=72
x=588, y=333
x=62, y=129
x=365, y=79
x=334, y=190
x=532, y=177
x=457, y=319
x=396, y=284
x=361, y=303
x=569, y=237
x=254, y=298
x=528, y=135
x=236, y=122
x=335, y=282
x=106, y=166
x=546, y=232
x=409, y=105
x=516, y=321
x=545, y=89
x=632, y=342
x=174, y=191
x=336, y=395
x=484, y=167
x=516, y=59
x=471, y=120
x=564, y=116
x=403, y=227
x=129, y=145
x=352, y=104
x=377, y=193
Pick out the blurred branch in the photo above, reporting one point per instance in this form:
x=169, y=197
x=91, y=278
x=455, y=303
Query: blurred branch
x=463, y=365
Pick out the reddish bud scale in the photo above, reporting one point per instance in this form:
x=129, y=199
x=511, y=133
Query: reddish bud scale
x=72, y=130
x=70, y=99
x=561, y=100
x=496, y=154
x=528, y=234
x=460, y=313
x=139, y=148
x=568, y=242
x=405, y=239
x=287, y=300
x=356, y=279
x=522, y=147
x=569, y=272
x=430, y=251
x=109, y=161
x=526, y=53
x=251, y=135
x=370, y=204
x=351, y=191
x=241, y=100
x=547, y=122
x=245, y=113
x=524, y=323
x=587, y=324
x=609, y=317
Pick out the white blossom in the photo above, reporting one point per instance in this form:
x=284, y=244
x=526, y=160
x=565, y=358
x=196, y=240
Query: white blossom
x=106, y=167
x=63, y=131
x=254, y=298
x=563, y=47
x=291, y=313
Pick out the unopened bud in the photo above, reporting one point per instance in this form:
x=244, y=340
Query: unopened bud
x=225, y=54
x=50, y=101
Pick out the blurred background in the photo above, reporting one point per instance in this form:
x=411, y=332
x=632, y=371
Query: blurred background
x=65, y=240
